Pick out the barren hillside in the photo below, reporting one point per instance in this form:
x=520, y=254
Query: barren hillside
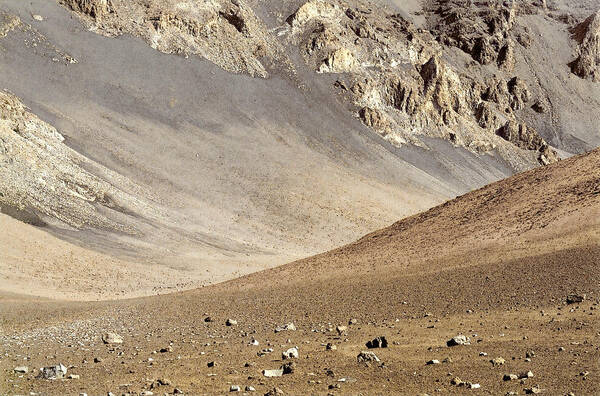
x=523, y=292
x=216, y=139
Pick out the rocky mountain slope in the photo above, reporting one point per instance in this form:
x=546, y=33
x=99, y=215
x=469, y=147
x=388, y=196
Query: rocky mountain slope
x=222, y=137
x=509, y=272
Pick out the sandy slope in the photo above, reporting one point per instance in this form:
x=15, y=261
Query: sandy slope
x=211, y=175
x=495, y=264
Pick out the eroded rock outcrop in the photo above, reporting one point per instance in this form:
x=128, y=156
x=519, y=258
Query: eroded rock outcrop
x=226, y=32
x=401, y=82
x=41, y=176
x=587, y=35
x=479, y=29
x=95, y=9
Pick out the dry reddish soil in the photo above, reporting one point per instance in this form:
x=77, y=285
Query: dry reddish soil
x=495, y=265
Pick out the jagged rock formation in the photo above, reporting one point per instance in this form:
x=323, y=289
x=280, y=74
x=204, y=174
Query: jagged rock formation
x=226, y=32
x=481, y=30
x=587, y=35
x=398, y=77
x=41, y=175
x=96, y=9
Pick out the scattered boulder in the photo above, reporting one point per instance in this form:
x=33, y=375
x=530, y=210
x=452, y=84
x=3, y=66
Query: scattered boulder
x=533, y=390
x=510, y=377
x=112, y=338
x=273, y=373
x=458, y=340
x=288, y=368
x=456, y=381
x=575, y=298
x=235, y=388
x=38, y=18
x=379, y=342
x=286, y=327
x=249, y=388
x=367, y=356
x=433, y=361
x=525, y=375
x=291, y=353
x=21, y=369
x=231, y=322
x=497, y=361
x=53, y=372
x=341, y=329
x=331, y=347
x=470, y=385
x=275, y=392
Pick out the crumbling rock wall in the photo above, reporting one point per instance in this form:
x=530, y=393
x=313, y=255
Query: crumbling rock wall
x=587, y=35
x=95, y=9
x=397, y=76
x=226, y=32
x=40, y=175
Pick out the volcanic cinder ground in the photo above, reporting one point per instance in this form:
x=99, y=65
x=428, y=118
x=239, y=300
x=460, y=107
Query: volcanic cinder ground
x=178, y=173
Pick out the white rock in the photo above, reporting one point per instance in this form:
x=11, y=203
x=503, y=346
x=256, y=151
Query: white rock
x=234, y=388
x=291, y=353
x=37, y=17
x=458, y=340
x=21, y=369
x=286, y=327
x=341, y=329
x=273, y=373
x=112, y=338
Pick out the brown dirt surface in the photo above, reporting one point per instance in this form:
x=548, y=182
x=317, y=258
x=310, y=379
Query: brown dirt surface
x=495, y=265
